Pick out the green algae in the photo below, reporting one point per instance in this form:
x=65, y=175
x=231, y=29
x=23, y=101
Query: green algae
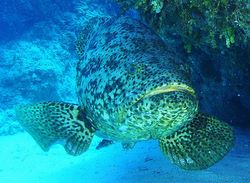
x=222, y=23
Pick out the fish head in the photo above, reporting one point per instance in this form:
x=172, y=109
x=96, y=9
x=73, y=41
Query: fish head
x=162, y=103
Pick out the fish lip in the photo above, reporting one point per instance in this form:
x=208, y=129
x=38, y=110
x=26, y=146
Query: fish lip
x=172, y=87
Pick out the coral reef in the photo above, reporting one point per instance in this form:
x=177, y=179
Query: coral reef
x=40, y=65
x=33, y=71
x=221, y=23
x=8, y=123
x=16, y=17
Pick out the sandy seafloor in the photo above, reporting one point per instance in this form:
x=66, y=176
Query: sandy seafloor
x=22, y=161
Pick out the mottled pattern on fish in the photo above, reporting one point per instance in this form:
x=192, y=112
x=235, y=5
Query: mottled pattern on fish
x=123, y=60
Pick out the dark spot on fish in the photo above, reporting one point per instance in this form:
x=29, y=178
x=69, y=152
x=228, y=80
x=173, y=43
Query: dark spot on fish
x=111, y=46
x=147, y=159
x=108, y=88
x=92, y=45
x=112, y=63
x=109, y=37
x=71, y=116
x=82, y=117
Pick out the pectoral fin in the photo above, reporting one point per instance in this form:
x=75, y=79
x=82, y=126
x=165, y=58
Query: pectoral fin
x=200, y=144
x=52, y=121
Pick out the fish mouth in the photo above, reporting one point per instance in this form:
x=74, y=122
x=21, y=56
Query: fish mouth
x=173, y=87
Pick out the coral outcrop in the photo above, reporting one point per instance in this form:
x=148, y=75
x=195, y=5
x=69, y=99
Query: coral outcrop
x=221, y=23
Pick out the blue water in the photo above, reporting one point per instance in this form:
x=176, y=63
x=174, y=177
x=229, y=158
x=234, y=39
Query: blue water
x=37, y=63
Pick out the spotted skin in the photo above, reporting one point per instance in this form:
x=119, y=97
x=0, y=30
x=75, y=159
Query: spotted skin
x=49, y=122
x=124, y=60
x=190, y=147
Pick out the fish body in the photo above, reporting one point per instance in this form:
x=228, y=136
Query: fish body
x=127, y=79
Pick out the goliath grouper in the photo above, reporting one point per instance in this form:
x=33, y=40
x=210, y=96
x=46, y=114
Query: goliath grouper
x=130, y=88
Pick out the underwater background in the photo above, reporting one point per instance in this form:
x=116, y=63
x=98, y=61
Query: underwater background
x=38, y=63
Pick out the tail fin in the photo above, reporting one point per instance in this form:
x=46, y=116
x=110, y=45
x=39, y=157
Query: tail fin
x=200, y=144
x=52, y=121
